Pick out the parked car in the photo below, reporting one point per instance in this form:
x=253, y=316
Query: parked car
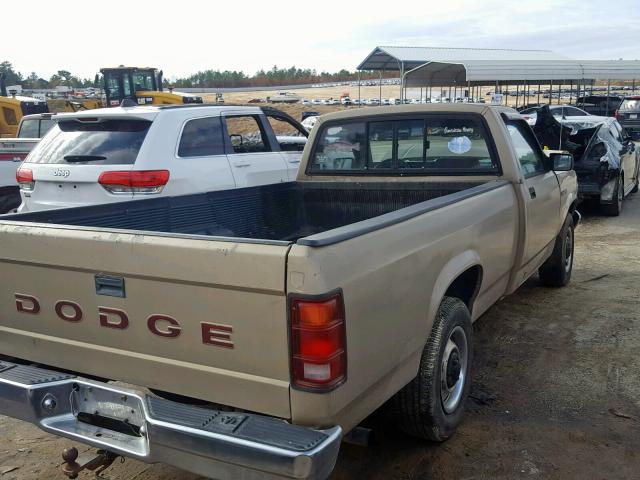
x=602, y=105
x=14, y=150
x=628, y=115
x=118, y=154
x=292, y=310
x=305, y=102
x=606, y=158
x=559, y=111
x=316, y=101
x=36, y=125
x=310, y=122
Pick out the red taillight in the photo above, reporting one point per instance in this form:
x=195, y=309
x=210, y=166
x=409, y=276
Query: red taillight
x=135, y=181
x=24, y=177
x=318, y=342
x=617, y=114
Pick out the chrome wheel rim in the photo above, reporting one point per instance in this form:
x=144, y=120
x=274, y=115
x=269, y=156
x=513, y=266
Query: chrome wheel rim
x=453, y=370
x=568, y=250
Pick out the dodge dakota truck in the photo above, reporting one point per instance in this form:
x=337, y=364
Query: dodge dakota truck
x=242, y=333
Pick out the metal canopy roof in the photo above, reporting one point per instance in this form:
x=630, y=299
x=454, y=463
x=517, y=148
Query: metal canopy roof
x=422, y=66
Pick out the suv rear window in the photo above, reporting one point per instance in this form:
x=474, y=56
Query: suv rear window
x=109, y=142
x=430, y=145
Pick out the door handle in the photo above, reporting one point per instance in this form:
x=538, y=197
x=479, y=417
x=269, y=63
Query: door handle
x=532, y=192
x=294, y=161
x=241, y=164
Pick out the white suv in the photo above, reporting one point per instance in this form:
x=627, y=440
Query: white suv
x=118, y=154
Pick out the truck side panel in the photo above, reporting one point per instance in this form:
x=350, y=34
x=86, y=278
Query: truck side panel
x=392, y=284
x=199, y=318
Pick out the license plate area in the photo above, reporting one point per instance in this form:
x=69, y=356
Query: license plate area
x=108, y=409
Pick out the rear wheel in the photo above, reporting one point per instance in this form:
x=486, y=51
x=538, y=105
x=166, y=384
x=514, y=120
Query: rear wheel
x=556, y=271
x=613, y=209
x=432, y=404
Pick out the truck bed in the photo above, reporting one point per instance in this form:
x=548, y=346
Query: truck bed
x=286, y=212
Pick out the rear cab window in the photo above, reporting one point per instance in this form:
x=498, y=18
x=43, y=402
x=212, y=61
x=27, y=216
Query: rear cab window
x=429, y=145
x=106, y=142
x=29, y=128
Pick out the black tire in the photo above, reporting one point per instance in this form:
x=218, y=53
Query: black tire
x=614, y=209
x=556, y=270
x=419, y=408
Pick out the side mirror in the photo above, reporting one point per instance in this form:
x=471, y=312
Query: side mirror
x=562, y=162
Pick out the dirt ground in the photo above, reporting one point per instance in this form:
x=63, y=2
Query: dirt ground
x=556, y=386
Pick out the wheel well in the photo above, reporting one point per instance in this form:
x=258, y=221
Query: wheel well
x=466, y=286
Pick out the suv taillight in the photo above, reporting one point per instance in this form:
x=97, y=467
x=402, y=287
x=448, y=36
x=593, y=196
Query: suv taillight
x=617, y=114
x=318, y=342
x=24, y=177
x=134, y=181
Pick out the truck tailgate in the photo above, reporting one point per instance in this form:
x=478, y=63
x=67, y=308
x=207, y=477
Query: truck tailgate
x=199, y=317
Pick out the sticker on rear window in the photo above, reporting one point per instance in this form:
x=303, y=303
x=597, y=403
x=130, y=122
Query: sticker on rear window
x=459, y=145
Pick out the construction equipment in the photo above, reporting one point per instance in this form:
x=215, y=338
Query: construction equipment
x=13, y=108
x=142, y=85
x=73, y=104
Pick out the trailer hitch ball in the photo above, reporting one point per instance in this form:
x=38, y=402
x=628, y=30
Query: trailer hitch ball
x=96, y=462
x=71, y=468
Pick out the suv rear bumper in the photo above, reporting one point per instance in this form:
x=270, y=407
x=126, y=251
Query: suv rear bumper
x=206, y=442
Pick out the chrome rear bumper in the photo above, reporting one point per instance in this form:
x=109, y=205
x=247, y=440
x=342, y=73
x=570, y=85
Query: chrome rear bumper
x=207, y=442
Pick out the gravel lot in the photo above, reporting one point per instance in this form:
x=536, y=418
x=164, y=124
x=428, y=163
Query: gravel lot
x=556, y=389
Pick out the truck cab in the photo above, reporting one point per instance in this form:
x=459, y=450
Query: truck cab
x=142, y=85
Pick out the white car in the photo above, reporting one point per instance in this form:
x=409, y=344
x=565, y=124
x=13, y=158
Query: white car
x=119, y=154
x=558, y=111
x=310, y=122
x=315, y=101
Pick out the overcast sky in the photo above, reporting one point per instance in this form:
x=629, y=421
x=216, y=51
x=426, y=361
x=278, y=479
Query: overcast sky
x=326, y=35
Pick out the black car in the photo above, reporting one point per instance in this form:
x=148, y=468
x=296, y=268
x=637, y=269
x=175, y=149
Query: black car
x=629, y=116
x=606, y=158
x=604, y=105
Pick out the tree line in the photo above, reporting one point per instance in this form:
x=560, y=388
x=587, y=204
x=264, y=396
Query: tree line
x=273, y=77
x=34, y=81
x=203, y=79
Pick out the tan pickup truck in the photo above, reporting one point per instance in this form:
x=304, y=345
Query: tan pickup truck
x=243, y=333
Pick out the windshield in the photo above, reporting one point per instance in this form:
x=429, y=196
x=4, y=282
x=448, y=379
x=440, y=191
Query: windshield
x=118, y=141
x=144, y=80
x=630, y=105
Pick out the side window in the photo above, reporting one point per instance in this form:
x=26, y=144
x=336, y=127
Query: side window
x=290, y=136
x=528, y=154
x=246, y=135
x=201, y=137
x=9, y=116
